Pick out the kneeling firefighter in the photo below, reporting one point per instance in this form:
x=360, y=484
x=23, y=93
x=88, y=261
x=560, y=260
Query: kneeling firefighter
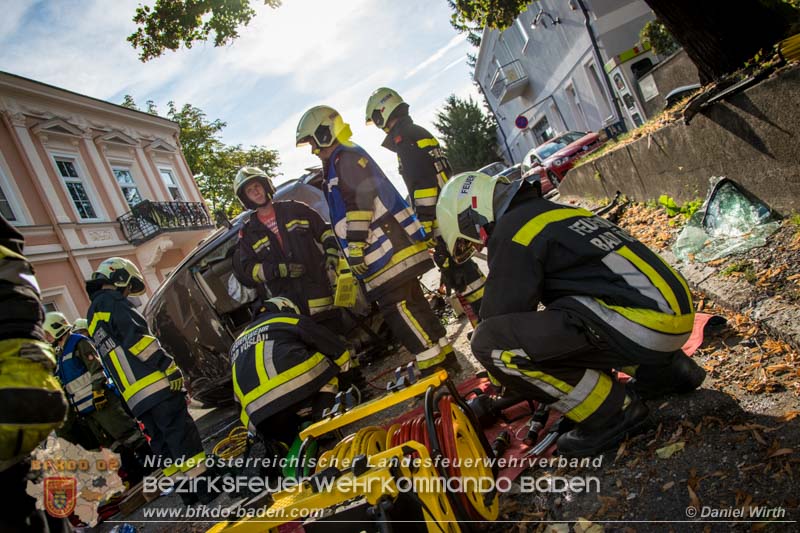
x=147, y=377
x=610, y=303
x=81, y=375
x=284, y=362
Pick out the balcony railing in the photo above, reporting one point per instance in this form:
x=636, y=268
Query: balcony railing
x=148, y=219
x=510, y=81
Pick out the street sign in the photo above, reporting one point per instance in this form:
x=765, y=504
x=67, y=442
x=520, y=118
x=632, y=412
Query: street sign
x=521, y=122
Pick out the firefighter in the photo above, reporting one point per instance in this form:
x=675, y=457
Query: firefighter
x=148, y=378
x=32, y=401
x=381, y=237
x=425, y=170
x=284, y=362
x=81, y=327
x=287, y=246
x=610, y=303
x=80, y=373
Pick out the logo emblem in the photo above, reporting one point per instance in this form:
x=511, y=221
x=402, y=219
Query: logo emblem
x=60, y=494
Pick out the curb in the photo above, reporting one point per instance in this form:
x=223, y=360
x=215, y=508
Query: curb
x=779, y=319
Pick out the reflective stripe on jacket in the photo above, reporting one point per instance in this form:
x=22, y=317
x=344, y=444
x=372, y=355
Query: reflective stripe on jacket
x=282, y=359
x=306, y=239
x=366, y=208
x=544, y=252
x=423, y=166
x=134, y=358
x=74, y=376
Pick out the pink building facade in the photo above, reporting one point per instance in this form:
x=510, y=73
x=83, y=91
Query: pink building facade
x=84, y=180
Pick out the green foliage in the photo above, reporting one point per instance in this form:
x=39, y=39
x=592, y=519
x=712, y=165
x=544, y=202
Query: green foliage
x=673, y=209
x=128, y=102
x=795, y=220
x=659, y=38
x=213, y=163
x=474, y=15
x=468, y=135
x=744, y=267
x=172, y=23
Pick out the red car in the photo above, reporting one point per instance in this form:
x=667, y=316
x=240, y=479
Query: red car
x=556, y=156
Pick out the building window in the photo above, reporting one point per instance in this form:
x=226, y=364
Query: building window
x=171, y=183
x=542, y=130
x=76, y=189
x=5, y=207
x=523, y=34
x=128, y=186
x=49, y=307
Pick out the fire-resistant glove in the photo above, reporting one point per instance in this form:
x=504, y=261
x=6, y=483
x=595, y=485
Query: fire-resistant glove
x=99, y=399
x=289, y=270
x=356, y=260
x=332, y=261
x=175, y=377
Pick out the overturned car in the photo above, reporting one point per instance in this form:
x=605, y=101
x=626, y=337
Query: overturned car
x=201, y=307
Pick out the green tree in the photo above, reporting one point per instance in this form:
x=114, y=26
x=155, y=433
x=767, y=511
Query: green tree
x=717, y=36
x=128, y=102
x=213, y=163
x=172, y=23
x=659, y=38
x=468, y=135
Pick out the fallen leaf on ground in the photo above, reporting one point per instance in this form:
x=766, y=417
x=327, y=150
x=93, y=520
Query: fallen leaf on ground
x=667, y=486
x=791, y=415
x=693, y=497
x=669, y=450
x=782, y=451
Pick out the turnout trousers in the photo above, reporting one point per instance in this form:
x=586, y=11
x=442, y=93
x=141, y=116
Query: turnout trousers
x=559, y=358
x=173, y=434
x=410, y=318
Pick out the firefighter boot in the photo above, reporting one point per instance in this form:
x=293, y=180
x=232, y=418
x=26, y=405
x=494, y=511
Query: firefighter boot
x=681, y=375
x=587, y=440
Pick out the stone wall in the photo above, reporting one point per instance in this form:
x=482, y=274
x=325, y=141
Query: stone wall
x=752, y=138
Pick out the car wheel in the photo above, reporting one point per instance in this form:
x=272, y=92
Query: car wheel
x=553, y=178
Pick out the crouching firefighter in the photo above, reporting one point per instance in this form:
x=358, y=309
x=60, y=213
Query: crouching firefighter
x=381, y=237
x=285, y=363
x=80, y=373
x=147, y=377
x=425, y=170
x=610, y=303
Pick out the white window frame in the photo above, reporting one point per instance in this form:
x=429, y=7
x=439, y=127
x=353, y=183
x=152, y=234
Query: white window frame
x=168, y=185
x=129, y=170
x=14, y=197
x=88, y=186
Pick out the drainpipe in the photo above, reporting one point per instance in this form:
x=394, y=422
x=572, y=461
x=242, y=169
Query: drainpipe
x=600, y=62
x=497, y=121
x=48, y=208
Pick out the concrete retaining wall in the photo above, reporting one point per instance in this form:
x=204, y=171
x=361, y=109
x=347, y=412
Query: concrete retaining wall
x=752, y=138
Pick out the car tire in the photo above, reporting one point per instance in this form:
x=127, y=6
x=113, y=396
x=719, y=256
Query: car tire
x=553, y=178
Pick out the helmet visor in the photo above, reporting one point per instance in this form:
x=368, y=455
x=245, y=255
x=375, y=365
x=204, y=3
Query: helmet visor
x=377, y=117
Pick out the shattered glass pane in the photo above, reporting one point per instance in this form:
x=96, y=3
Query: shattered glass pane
x=730, y=222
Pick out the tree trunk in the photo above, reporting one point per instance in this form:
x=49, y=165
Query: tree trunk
x=718, y=35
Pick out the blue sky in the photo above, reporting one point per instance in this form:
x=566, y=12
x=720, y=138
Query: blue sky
x=305, y=53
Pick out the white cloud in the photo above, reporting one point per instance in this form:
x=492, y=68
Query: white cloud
x=438, y=54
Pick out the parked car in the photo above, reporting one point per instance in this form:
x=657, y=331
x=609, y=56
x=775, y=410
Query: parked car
x=201, y=308
x=493, y=168
x=558, y=155
x=679, y=93
x=513, y=172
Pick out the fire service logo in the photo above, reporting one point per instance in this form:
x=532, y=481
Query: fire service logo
x=60, y=494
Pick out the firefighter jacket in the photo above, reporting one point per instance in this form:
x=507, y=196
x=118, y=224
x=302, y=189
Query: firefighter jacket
x=424, y=168
x=80, y=372
x=568, y=258
x=282, y=359
x=131, y=355
x=366, y=209
x=306, y=239
x=32, y=401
